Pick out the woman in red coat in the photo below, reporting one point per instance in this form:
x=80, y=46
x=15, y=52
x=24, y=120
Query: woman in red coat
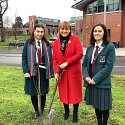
x=67, y=55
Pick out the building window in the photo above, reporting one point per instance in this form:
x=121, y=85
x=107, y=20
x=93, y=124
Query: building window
x=48, y=31
x=95, y=7
x=101, y=8
x=110, y=1
x=116, y=1
x=90, y=8
x=109, y=7
x=116, y=6
x=98, y=6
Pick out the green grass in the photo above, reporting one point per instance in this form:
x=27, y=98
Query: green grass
x=16, y=108
x=4, y=45
x=81, y=38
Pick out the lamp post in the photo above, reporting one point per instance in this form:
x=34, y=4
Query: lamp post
x=75, y=16
x=105, y=2
x=15, y=25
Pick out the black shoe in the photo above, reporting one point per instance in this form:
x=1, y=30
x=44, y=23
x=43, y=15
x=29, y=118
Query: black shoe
x=75, y=118
x=66, y=115
x=36, y=115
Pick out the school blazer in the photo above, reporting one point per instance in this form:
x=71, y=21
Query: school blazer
x=104, y=63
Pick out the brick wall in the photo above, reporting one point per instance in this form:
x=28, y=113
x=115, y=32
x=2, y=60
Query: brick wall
x=114, y=22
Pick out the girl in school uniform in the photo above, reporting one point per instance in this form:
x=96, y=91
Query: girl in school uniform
x=36, y=55
x=97, y=67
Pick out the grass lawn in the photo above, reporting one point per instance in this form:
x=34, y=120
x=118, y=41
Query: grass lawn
x=16, y=108
x=4, y=45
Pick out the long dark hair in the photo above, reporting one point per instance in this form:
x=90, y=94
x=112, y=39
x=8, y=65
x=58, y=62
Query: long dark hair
x=43, y=38
x=105, y=37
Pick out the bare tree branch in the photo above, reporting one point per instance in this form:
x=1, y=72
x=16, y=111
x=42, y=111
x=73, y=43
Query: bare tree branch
x=3, y=6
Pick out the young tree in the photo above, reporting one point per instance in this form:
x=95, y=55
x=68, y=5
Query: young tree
x=3, y=8
x=18, y=22
x=7, y=22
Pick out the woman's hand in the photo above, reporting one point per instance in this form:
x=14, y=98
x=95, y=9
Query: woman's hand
x=27, y=75
x=57, y=76
x=63, y=65
x=88, y=79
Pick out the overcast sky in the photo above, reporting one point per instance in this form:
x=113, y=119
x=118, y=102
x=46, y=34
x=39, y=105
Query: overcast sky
x=55, y=9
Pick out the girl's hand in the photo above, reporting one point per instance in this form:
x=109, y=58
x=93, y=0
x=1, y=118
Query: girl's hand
x=88, y=79
x=27, y=75
x=92, y=82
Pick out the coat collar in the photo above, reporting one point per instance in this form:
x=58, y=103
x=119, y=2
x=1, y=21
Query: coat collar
x=67, y=48
x=101, y=49
x=90, y=51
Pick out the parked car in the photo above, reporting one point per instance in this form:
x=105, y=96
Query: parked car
x=17, y=43
x=51, y=40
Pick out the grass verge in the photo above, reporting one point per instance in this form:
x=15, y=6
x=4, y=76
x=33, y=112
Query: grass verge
x=16, y=108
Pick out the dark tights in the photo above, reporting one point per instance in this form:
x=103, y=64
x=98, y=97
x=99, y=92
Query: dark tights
x=75, y=106
x=34, y=100
x=102, y=116
x=75, y=112
x=66, y=108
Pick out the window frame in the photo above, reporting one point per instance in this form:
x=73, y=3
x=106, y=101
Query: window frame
x=100, y=8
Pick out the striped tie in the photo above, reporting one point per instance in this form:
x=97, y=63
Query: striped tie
x=95, y=54
x=39, y=53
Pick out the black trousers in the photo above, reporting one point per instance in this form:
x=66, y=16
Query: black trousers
x=102, y=116
x=34, y=100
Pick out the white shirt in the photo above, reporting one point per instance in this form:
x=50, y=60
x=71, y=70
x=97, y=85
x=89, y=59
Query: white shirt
x=36, y=41
x=41, y=53
x=99, y=49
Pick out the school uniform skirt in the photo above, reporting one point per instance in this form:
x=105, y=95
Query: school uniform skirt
x=31, y=84
x=100, y=98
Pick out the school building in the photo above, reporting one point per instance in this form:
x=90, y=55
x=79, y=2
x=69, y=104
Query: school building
x=50, y=25
x=95, y=11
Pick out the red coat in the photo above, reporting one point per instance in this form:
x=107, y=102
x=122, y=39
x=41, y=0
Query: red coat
x=70, y=84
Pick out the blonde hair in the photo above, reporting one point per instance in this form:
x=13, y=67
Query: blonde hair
x=65, y=24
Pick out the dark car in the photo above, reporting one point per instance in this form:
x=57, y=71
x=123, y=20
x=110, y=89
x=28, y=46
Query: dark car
x=51, y=40
x=17, y=43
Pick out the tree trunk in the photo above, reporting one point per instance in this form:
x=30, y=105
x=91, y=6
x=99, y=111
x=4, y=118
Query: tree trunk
x=2, y=30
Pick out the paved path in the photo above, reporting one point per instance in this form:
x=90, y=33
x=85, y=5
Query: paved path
x=119, y=51
x=10, y=59
x=119, y=67
x=12, y=50
x=13, y=57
